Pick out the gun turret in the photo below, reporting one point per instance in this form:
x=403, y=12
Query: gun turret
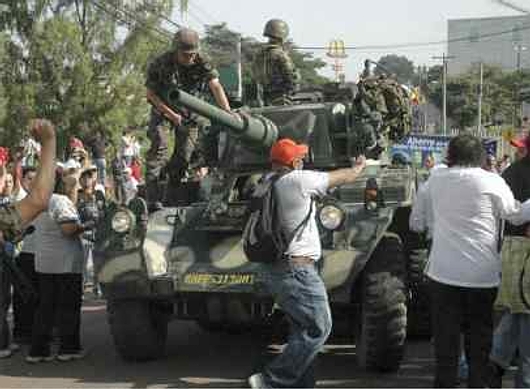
x=254, y=130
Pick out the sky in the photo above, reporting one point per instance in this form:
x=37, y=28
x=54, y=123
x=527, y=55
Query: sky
x=356, y=22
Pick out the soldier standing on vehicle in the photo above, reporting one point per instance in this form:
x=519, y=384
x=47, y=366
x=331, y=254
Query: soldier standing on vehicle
x=182, y=67
x=293, y=280
x=273, y=68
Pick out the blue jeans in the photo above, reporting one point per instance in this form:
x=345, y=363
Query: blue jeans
x=513, y=333
x=101, y=164
x=302, y=296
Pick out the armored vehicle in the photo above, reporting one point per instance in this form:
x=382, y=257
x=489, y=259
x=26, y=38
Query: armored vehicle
x=188, y=263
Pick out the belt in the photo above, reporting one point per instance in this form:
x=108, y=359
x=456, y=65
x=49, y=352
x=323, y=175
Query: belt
x=297, y=260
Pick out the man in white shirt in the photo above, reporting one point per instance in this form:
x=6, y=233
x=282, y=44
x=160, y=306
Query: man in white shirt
x=467, y=205
x=294, y=281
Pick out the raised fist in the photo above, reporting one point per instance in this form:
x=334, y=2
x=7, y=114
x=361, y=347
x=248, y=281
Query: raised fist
x=42, y=130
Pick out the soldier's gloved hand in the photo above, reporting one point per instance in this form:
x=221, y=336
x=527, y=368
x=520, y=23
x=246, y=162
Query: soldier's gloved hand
x=42, y=130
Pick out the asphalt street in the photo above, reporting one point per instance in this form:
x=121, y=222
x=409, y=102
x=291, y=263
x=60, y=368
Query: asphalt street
x=198, y=358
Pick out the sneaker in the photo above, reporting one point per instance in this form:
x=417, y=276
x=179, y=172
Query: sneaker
x=66, y=357
x=39, y=358
x=5, y=353
x=257, y=381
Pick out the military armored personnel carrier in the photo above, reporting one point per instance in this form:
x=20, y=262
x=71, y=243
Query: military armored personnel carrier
x=187, y=262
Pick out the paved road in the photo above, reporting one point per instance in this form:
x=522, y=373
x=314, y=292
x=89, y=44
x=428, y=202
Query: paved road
x=196, y=358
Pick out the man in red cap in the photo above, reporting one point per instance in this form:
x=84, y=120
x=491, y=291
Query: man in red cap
x=294, y=282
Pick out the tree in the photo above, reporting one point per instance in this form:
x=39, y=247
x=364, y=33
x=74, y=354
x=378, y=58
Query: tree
x=499, y=94
x=400, y=66
x=80, y=63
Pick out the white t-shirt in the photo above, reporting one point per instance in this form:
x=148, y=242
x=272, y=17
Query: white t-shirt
x=467, y=207
x=293, y=192
x=58, y=253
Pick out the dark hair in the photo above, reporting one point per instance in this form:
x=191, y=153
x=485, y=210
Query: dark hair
x=28, y=169
x=465, y=150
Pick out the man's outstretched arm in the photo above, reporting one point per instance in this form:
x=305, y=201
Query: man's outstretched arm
x=37, y=200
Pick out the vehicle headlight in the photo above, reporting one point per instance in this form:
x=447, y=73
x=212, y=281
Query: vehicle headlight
x=122, y=221
x=331, y=217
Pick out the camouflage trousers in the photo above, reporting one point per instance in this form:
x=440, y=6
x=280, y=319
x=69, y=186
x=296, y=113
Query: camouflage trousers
x=187, y=153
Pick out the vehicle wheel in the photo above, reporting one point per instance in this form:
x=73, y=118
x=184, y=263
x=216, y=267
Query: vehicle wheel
x=139, y=329
x=419, y=302
x=383, y=324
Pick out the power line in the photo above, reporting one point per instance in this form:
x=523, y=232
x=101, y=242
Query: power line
x=513, y=6
x=201, y=10
x=524, y=27
x=129, y=19
x=160, y=15
x=196, y=17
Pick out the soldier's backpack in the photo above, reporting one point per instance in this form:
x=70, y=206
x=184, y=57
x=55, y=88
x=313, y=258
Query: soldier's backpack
x=263, y=237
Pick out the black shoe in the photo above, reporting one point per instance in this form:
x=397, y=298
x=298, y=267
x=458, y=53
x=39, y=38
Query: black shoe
x=494, y=375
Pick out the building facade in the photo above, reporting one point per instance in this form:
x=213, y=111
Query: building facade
x=500, y=41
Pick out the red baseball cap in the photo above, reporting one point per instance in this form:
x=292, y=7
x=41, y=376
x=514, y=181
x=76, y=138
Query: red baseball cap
x=519, y=143
x=285, y=151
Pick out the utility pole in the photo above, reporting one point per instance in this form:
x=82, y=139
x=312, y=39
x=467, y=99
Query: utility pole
x=445, y=59
x=519, y=48
x=480, y=89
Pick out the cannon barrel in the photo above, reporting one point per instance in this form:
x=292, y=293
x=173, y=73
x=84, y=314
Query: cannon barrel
x=254, y=130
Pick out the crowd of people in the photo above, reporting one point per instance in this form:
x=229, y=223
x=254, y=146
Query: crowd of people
x=53, y=264
x=50, y=211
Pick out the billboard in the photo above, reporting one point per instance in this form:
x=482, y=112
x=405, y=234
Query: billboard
x=418, y=148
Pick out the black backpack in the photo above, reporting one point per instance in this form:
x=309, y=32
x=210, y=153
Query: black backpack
x=263, y=239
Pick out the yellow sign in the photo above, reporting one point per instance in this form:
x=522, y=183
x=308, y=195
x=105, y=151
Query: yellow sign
x=219, y=279
x=508, y=134
x=337, y=49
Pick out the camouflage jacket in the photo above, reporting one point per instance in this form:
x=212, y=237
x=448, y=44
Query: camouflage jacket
x=164, y=74
x=10, y=223
x=515, y=252
x=275, y=71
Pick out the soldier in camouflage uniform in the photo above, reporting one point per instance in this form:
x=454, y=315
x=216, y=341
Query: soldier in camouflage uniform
x=273, y=69
x=185, y=68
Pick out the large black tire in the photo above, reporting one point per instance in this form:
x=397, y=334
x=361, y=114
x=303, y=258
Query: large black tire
x=419, y=302
x=383, y=324
x=139, y=329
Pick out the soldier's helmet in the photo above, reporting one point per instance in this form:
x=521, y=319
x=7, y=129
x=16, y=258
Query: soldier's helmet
x=186, y=40
x=276, y=28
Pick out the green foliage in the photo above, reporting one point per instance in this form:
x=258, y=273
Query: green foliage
x=72, y=62
x=499, y=100
x=400, y=66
